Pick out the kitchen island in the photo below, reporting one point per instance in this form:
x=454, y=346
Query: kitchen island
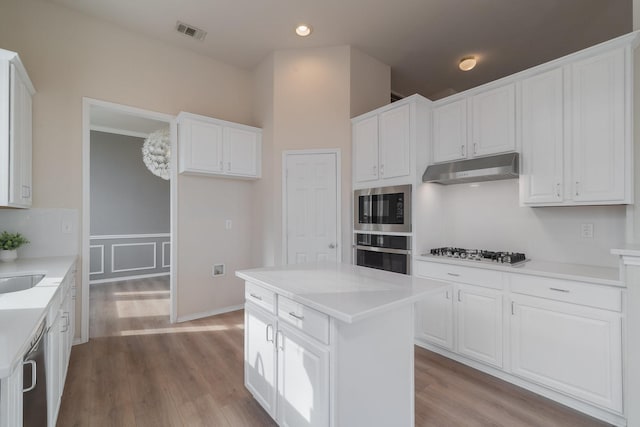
x=332, y=344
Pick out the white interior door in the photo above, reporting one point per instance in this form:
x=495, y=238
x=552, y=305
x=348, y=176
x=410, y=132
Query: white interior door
x=311, y=204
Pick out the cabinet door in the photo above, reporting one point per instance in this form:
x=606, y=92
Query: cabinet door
x=11, y=399
x=303, y=380
x=200, y=147
x=598, y=127
x=395, y=142
x=259, y=357
x=450, y=131
x=241, y=152
x=571, y=348
x=542, y=138
x=494, y=121
x=479, y=313
x=54, y=374
x=20, y=142
x=365, y=149
x=435, y=318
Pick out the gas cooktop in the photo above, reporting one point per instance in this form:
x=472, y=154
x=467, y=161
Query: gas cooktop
x=511, y=258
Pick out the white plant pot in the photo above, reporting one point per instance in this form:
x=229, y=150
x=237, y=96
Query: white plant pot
x=8, y=255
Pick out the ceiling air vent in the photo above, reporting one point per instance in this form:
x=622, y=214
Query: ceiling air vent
x=190, y=30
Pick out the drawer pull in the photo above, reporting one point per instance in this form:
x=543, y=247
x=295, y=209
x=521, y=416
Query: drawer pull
x=299, y=317
x=453, y=274
x=269, y=326
x=566, y=291
x=258, y=297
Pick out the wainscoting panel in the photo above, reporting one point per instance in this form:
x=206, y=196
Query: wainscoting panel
x=129, y=256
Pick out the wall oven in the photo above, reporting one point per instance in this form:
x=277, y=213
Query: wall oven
x=385, y=209
x=384, y=252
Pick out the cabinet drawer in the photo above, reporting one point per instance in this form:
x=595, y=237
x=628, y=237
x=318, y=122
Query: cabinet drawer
x=304, y=318
x=260, y=296
x=456, y=273
x=568, y=291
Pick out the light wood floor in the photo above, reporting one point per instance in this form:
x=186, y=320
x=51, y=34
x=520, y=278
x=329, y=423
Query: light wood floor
x=139, y=370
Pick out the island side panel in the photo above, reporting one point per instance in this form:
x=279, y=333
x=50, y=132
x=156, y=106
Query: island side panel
x=372, y=370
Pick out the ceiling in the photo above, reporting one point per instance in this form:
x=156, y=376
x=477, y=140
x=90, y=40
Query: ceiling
x=422, y=40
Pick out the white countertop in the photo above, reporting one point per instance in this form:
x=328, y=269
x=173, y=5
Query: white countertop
x=21, y=312
x=346, y=292
x=586, y=273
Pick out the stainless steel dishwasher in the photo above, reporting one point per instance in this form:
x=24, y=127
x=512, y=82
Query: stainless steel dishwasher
x=34, y=381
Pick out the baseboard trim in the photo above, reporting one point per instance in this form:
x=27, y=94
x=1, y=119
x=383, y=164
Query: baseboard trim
x=578, y=405
x=77, y=341
x=203, y=314
x=125, y=278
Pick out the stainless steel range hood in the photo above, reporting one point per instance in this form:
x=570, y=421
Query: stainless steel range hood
x=493, y=168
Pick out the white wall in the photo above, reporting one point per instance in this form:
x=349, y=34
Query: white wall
x=304, y=100
x=488, y=216
x=44, y=230
x=69, y=56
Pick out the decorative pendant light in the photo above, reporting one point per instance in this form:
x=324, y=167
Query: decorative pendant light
x=156, y=152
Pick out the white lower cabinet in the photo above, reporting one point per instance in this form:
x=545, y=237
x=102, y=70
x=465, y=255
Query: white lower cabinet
x=59, y=338
x=434, y=319
x=570, y=348
x=479, y=315
x=286, y=370
x=260, y=357
x=562, y=337
x=303, y=380
x=11, y=399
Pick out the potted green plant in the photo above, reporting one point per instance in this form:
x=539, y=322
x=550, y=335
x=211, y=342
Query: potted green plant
x=9, y=242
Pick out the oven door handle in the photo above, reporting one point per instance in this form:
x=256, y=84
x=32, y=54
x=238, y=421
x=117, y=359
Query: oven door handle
x=385, y=250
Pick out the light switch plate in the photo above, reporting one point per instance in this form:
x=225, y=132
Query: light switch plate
x=586, y=231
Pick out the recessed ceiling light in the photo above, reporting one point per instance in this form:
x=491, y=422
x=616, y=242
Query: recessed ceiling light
x=303, y=30
x=467, y=63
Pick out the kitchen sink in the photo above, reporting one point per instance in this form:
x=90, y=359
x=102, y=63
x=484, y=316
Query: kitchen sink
x=19, y=283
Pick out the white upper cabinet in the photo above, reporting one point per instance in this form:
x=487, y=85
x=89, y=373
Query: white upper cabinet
x=395, y=142
x=542, y=136
x=388, y=143
x=493, y=121
x=241, y=151
x=576, y=133
x=365, y=149
x=450, y=131
x=474, y=126
x=598, y=127
x=215, y=147
x=16, y=93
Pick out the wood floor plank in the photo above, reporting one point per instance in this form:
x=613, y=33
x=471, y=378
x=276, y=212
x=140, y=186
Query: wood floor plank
x=139, y=370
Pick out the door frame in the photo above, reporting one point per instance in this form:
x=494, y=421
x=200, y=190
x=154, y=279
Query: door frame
x=87, y=103
x=336, y=152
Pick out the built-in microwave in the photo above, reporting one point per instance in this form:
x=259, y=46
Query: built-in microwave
x=385, y=209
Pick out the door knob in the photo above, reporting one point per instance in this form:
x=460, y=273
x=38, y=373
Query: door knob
x=332, y=246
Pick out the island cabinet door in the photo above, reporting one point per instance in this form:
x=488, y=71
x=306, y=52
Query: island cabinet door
x=479, y=313
x=303, y=380
x=259, y=356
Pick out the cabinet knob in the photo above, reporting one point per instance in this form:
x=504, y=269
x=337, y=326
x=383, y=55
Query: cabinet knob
x=382, y=169
x=462, y=150
x=577, y=188
x=558, y=190
x=332, y=245
x=475, y=148
x=374, y=172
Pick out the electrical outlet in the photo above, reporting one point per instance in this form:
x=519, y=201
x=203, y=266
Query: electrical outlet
x=217, y=270
x=586, y=231
x=227, y=224
x=66, y=226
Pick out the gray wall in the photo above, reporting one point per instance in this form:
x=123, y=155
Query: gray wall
x=125, y=197
x=128, y=201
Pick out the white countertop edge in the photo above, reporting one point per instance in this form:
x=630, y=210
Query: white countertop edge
x=630, y=250
x=532, y=271
x=336, y=314
x=34, y=301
